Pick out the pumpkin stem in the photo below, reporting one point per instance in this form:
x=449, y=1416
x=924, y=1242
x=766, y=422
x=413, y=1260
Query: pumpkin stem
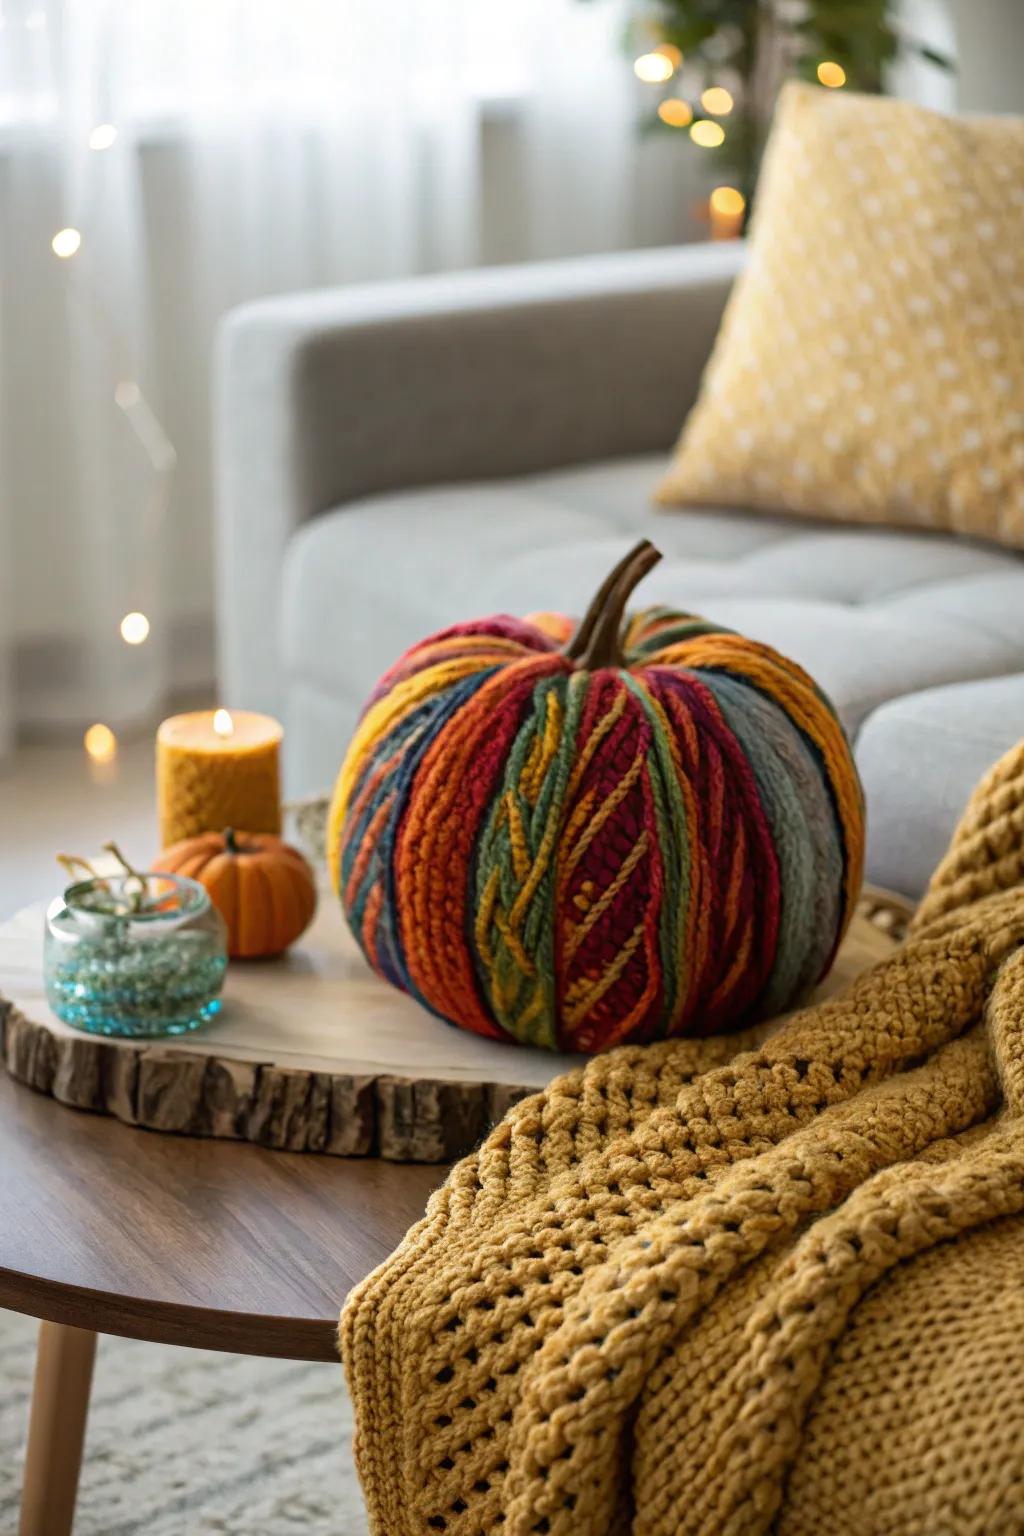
x=131, y=875
x=598, y=641
x=72, y=865
x=230, y=842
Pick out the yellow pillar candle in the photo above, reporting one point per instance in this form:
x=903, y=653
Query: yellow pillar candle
x=217, y=770
x=726, y=208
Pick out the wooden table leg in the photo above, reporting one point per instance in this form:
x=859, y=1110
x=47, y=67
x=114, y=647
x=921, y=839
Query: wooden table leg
x=60, y=1403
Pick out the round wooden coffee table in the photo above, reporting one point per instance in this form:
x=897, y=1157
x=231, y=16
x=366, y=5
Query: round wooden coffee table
x=192, y=1235
x=219, y=1245
x=106, y=1227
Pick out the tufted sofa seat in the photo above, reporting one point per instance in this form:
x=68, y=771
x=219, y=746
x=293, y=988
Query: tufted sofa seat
x=917, y=637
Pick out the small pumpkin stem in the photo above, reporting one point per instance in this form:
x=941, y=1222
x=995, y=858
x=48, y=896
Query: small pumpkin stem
x=138, y=895
x=72, y=864
x=598, y=641
x=230, y=841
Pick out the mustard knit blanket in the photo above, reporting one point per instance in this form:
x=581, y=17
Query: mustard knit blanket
x=736, y=1285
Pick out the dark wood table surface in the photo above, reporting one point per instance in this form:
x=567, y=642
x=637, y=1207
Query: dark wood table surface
x=215, y=1244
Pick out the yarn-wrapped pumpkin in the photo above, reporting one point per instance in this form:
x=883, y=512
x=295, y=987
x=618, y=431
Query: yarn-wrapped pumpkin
x=653, y=829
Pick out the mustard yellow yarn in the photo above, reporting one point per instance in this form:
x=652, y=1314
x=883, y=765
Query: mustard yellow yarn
x=683, y=1291
x=870, y=365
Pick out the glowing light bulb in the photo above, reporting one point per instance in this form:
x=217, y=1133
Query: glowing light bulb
x=134, y=628
x=675, y=112
x=126, y=394
x=728, y=200
x=831, y=74
x=717, y=100
x=707, y=135
x=102, y=136
x=653, y=68
x=65, y=243
x=100, y=743
x=223, y=723
x=672, y=53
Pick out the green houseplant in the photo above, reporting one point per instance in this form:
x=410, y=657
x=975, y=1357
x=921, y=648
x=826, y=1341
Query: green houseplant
x=714, y=67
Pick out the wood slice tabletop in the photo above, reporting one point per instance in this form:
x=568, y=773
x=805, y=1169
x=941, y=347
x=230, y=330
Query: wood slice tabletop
x=312, y=1052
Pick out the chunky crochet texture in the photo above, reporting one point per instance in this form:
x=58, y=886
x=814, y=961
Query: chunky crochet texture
x=629, y=838
x=681, y=1293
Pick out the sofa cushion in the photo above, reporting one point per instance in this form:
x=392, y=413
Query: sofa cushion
x=919, y=758
x=873, y=614
x=867, y=364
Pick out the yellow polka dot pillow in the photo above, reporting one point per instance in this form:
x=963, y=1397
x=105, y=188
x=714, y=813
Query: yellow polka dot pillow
x=870, y=364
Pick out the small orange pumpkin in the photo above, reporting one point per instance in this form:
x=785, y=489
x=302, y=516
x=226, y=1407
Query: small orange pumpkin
x=263, y=888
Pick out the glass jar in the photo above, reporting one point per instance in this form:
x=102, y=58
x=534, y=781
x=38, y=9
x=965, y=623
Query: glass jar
x=134, y=955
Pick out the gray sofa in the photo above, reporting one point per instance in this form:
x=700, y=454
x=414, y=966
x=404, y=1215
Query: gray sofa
x=392, y=458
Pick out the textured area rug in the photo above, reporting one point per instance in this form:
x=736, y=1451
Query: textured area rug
x=183, y=1442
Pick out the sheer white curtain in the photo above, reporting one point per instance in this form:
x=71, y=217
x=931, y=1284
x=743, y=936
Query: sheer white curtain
x=207, y=152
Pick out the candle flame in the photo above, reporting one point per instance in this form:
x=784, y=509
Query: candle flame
x=223, y=723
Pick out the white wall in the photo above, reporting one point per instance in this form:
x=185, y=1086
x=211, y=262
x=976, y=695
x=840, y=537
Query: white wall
x=990, y=52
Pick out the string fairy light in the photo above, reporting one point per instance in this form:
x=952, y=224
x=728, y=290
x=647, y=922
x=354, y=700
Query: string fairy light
x=831, y=74
x=706, y=134
x=717, y=100
x=675, y=112
x=103, y=136
x=134, y=628
x=653, y=68
x=65, y=243
x=146, y=425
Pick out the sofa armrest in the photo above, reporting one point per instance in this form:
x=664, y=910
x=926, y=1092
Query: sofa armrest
x=327, y=396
